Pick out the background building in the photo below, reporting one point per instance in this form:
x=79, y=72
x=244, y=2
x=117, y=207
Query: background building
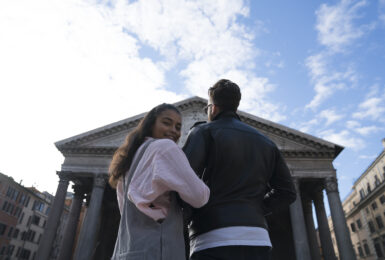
x=364, y=209
x=23, y=216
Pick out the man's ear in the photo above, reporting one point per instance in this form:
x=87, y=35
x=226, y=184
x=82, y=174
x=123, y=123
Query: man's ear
x=215, y=110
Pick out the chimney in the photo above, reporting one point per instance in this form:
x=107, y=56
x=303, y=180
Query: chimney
x=383, y=142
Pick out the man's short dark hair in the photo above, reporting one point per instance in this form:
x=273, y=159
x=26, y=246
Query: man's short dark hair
x=225, y=94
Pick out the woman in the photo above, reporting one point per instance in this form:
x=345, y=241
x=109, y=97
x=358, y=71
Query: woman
x=148, y=170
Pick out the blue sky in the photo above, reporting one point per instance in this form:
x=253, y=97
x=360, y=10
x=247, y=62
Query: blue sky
x=67, y=67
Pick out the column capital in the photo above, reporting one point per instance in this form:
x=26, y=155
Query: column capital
x=331, y=184
x=64, y=176
x=99, y=181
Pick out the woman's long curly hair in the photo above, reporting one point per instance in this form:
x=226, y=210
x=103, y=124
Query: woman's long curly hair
x=123, y=156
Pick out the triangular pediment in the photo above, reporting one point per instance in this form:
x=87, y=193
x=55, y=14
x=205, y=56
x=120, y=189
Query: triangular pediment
x=109, y=137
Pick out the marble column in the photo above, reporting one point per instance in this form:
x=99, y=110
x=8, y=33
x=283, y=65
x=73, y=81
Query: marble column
x=301, y=245
x=312, y=235
x=72, y=224
x=56, y=210
x=345, y=248
x=323, y=227
x=87, y=238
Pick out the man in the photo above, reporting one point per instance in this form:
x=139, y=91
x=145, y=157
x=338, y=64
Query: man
x=247, y=177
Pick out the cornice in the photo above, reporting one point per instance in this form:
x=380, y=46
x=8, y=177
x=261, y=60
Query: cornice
x=371, y=166
x=367, y=199
x=308, y=154
x=119, y=126
x=294, y=135
x=88, y=150
x=324, y=149
x=109, y=151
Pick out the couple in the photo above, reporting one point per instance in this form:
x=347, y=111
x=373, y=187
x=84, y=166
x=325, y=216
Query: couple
x=228, y=175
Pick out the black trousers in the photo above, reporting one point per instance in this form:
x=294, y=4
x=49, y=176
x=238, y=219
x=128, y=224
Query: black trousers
x=234, y=253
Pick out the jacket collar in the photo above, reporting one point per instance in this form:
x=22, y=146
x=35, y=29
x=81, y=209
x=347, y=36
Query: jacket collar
x=227, y=114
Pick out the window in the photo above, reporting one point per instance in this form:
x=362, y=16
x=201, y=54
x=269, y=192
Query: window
x=27, y=202
x=35, y=220
x=374, y=205
x=379, y=222
x=366, y=248
x=22, y=199
x=21, y=218
x=3, y=227
x=10, y=192
x=10, y=250
x=369, y=189
x=360, y=251
x=359, y=224
x=10, y=230
x=382, y=199
x=24, y=253
x=352, y=227
x=32, y=236
x=18, y=212
x=362, y=193
x=5, y=205
x=371, y=226
x=11, y=208
x=16, y=233
x=8, y=206
x=376, y=180
x=377, y=247
x=15, y=194
x=39, y=206
x=367, y=211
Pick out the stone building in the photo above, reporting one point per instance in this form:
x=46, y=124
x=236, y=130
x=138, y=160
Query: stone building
x=23, y=215
x=364, y=210
x=87, y=157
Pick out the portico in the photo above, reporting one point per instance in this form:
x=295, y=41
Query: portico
x=87, y=157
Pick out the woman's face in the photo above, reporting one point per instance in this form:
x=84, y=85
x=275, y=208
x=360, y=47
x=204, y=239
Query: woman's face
x=167, y=125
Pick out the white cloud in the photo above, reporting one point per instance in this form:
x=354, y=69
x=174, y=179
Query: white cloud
x=367, y=130
x=352, y=124
x=372, y=108
x=336, y=24
x=344, y=138
x=338, y=28
x=307, y=126
x=371, y=157
x=71, y=66
x=330, y=116
x=206, y=39
x=326, y=80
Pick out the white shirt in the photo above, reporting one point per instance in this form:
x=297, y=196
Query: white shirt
x=163, y=168
x=231, y=236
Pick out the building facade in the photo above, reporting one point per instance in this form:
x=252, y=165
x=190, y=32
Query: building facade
x=88, y=155
x=23, y=216
x=365, y=211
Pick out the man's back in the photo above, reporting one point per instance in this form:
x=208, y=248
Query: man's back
x=237, y=163
x=247, y=177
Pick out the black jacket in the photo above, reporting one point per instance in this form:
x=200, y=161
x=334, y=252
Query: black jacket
x=244, y=170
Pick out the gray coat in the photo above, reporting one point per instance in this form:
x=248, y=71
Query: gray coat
x=142, y=238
